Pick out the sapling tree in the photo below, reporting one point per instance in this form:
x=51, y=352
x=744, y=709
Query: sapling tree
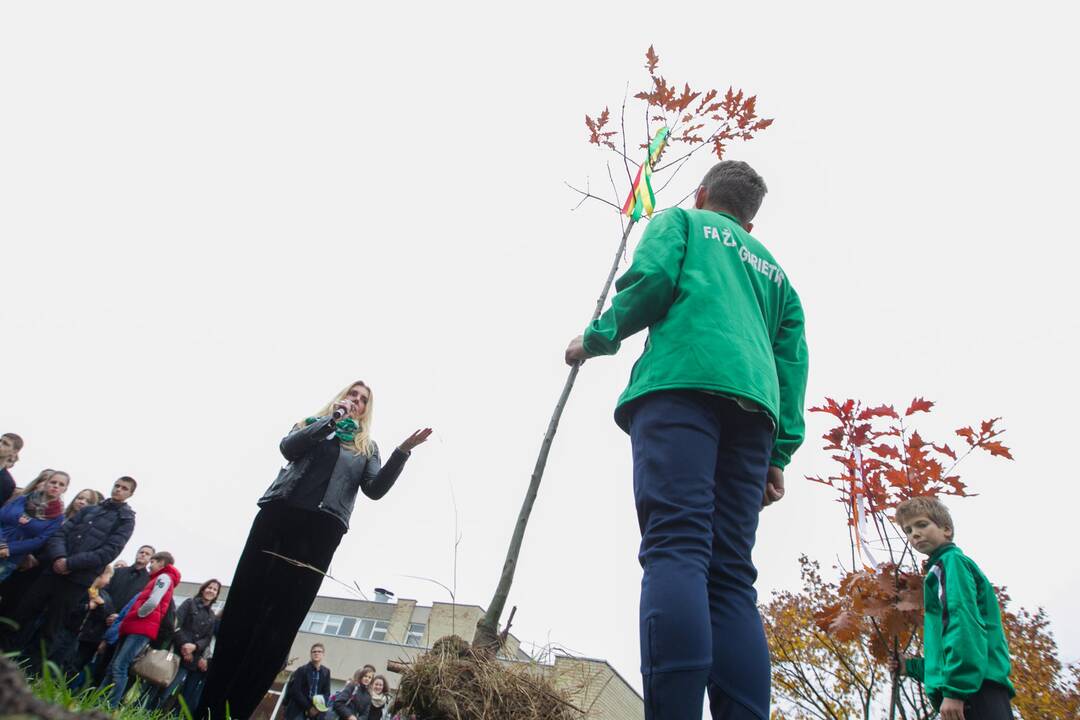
x=874, y=612
x=661, y=116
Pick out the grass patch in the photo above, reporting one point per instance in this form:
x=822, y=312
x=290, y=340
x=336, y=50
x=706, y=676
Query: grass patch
x=49, y=696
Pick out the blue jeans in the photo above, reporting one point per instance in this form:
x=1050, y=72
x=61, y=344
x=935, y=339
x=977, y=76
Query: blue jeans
x=130, y=647
x=700, y=463
x=7, y=567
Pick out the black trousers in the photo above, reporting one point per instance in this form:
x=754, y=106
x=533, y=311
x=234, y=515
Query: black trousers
x=990, y=703
x=13, y=589
x=48, y=601
x=266, y=604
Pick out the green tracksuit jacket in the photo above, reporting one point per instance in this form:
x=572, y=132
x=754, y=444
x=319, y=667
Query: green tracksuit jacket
x=722, y=318
x=963, y=641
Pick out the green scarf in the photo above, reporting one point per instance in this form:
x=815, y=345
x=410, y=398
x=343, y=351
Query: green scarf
x=344, y=429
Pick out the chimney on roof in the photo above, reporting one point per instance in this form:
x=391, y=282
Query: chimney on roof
x=382, y=595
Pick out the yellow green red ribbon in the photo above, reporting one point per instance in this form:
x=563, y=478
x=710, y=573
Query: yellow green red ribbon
x=641, y=198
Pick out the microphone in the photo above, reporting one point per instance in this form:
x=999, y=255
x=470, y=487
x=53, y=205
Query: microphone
x=339, y=412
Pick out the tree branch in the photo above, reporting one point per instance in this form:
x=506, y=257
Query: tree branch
x=622, y=223
x=622, y=120
x=587, y=195
x=691, y=152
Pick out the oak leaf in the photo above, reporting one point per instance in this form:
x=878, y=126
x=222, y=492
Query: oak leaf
x=996, y=448
x=652, y=60
x=918, y=405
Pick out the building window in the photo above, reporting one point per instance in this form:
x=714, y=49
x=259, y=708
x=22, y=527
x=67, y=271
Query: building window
x=372, y=629
x=416, y=635
x=344, y=626
x=314, y=623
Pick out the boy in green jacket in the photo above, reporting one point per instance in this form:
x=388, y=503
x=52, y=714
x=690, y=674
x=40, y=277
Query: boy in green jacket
x=714, y=409
x=966, y=665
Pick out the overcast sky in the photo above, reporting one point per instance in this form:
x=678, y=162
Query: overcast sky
x=213, y=215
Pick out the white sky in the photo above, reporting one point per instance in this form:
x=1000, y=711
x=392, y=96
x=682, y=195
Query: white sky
x=213, y=215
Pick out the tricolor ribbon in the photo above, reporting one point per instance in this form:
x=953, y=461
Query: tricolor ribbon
x=641, y=198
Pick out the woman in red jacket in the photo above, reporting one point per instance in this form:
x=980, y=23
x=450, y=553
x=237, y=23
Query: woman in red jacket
x=143, y=620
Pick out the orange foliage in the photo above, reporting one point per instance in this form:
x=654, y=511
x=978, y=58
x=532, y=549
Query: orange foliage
x=897, y=462
x=715, y=119
x=828, y=662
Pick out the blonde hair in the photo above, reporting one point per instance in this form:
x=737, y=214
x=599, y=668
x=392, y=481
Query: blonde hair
x=95, y=498
x=362, y=443
x=927, y=506
x=37, y=482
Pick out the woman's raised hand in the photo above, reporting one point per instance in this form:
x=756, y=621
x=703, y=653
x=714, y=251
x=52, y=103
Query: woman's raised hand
x=415, y=439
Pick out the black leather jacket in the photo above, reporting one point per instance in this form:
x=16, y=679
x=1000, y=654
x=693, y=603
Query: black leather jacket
x=195, y=624
x=352, y=471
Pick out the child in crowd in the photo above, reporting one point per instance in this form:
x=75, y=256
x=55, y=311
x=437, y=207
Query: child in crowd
x=966, y=666
x=90, y=616
x=143, y=620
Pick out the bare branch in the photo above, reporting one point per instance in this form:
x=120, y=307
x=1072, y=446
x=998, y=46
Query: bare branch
x=622, y=223
x=587, y=195
x=687, y=155
x=622, y=119
x=673, y=174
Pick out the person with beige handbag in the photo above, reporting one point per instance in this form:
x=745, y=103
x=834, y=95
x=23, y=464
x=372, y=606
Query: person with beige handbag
x=157, y=667
x=142, y=623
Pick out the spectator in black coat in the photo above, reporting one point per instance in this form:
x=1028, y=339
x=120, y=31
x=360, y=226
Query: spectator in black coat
x=129, y=580
x=196, y=623
x=30, y=569
x=73, y=557
x=309, y=680
x=353, y=702
x=10, y=445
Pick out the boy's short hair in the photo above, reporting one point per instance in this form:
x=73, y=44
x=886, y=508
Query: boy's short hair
x=736, y=187
x=130, y=481
x=318, y=645
x=164, y=556
x=16, y=440
x=926, y=505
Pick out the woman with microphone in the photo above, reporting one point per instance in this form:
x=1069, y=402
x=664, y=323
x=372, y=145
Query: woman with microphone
x=301, y=520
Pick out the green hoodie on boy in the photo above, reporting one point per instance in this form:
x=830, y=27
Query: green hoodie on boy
x=963, y=641
x=722, y=318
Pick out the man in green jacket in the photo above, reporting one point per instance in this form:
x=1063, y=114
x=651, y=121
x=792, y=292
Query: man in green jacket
x=965, y=668
x=714, y=410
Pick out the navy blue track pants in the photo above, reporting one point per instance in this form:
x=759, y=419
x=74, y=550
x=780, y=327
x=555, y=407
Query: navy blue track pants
x=700, y=463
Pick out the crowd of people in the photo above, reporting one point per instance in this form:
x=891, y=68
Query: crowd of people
x=307, y=695
x=70, y=604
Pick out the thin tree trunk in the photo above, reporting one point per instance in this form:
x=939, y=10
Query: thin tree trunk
x=486, y=638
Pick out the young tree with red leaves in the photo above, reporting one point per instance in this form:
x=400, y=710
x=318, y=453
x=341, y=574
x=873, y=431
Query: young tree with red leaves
x=832, y=642
x=884, y=460
x=824, y=675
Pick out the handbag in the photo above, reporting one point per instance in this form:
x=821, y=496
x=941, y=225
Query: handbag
x=157, y=667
